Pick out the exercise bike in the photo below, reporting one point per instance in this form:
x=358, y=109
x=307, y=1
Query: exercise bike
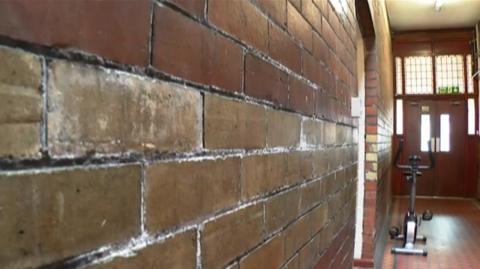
x=412, y=170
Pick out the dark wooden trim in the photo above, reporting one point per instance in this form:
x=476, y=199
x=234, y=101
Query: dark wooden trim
x=364, y=18
x=433, y=35
x=433, y=42
x=434, y=97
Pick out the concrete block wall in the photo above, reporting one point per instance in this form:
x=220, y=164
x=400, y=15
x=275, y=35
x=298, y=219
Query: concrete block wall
x=177, y=134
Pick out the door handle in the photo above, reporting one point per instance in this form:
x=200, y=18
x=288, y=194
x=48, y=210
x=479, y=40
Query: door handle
x=437, y=143
x=432, y=144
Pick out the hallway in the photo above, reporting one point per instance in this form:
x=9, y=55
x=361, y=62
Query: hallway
x=453, y=235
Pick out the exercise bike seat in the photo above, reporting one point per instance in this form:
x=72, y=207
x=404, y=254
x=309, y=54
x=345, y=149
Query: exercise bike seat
x=410, y=173
x=415, y=158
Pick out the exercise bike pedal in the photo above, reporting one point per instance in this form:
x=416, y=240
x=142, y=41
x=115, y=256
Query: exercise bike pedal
x=420, y=238
x=427, y=215
x=394, y=232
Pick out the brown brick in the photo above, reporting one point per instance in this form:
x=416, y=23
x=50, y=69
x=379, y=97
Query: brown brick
x=62, y=213
x=336, y=158
x=275, y=9
x=296, y=235
x=178, y=252
x=296, y=3
x=299, y=27
x=333, y=19
x=20, y=104
x=313, y=132
x=269, y=255
x=340, y=179
x=20, y=139
x=189, y=50
x=284, y=49
x=311, y=68
x=310, y=195
x=177, y=193
x=281, y=209
x=296, y=162
x=265, y=81
x=312, y=14
x=293, y=263
x=232, y=124
x=341, y=134
x=328, y=34
x=195, y=7
x=321, y=104
x=329, y=183
x=321, y=162
x=262, y=174
x=322, y=5
x=283, y=129
x=98, y=27
x=324, y=240
x=329, y=133
x=330, y=108
x=308, y=254
x=93, y=109
x=229, y=236
x=319, y=217
x=299, y=166
x=320, y=49
x=327, y=80
x=241, y=19
x=301, y=97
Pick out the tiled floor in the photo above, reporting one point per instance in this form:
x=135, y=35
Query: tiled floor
x=453, y=235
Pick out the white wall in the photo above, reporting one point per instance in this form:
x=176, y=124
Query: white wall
x=361, y=150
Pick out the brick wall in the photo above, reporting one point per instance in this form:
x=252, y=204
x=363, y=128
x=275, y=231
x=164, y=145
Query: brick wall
x=177, y=134
x=379, y=131
x=478, y=174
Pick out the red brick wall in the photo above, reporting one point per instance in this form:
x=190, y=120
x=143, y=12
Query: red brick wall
x=177, y=134
x=379, y=130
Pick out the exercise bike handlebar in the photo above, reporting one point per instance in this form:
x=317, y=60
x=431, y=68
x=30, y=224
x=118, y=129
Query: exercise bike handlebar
x=420, y=167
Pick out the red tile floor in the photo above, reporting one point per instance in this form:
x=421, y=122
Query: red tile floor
x=453, y=235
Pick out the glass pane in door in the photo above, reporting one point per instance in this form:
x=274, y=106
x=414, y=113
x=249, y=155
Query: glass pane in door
x=444, y=133
x=424, y=132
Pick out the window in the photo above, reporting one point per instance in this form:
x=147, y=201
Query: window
x=444, y=133
x=418, y=75
x=399, y=119
x=398, y=75
x=469, y=74
x=453, y=74
x=471, y=116
x=449, y=74
x=424, y=132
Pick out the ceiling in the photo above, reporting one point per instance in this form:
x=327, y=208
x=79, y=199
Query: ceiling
x=405, y=15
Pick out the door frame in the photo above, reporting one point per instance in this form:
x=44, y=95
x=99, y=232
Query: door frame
x=410, y=138
x=470, y=142
x=432, y=43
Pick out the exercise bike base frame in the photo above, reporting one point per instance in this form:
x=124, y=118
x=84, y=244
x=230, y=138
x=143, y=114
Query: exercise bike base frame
x=410, y=251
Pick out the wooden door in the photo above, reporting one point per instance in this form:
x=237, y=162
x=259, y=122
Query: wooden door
x=418, y=113
x=443, y=121
x=450, y=123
